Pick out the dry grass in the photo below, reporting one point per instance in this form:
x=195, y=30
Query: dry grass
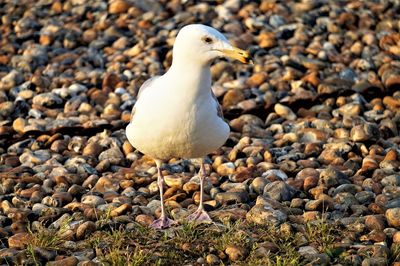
x=189, y=242
x=45, y=238
x=116, y=244
x=394, y=253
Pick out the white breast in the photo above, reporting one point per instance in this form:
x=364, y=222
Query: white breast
x=167, y=124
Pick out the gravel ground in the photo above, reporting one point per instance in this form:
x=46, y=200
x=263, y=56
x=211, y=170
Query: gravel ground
x=314, y=145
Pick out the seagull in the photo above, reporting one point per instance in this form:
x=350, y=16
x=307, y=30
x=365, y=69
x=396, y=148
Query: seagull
x=177, y=115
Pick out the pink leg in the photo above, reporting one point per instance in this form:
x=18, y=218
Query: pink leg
x=163, y=222
x=200, y=215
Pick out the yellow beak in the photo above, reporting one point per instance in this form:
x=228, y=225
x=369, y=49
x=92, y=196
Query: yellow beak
x=238, y=54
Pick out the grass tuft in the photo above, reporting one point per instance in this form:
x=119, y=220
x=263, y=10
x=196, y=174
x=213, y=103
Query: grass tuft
x=45, y=238
x=394, y=253
x=321, y=234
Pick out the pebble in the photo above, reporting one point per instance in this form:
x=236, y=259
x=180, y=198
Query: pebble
x=118, y=6
x=235, y=252
x=92, y=200
x=265, y=215
x=124, y=208
x=284, y=112
x=68, y=261
x=232, y=197
x=173, y=181
x=259, y=184
x=374, y=222
x=105, y=184
x=279, y=191
x=314, y=123
x=307, y=250
x=85, y=229
x=393, y=217
x=47, y=255
x=368, y=131
x=47, y=99
x=144, y=219
x=6, y=109
x=19, y=240
x=113, y=155
x=226, y=169
x=212, y=259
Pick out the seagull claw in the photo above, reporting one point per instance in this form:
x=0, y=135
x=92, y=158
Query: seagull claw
x=162, y=223
x=200, y=216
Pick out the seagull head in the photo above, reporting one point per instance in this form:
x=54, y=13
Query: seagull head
x=203, y=44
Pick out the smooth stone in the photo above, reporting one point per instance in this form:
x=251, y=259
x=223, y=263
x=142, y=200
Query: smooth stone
x=113, y=155
x=45, y=254
x=105, y=184
x=314, y=205
x=19, y=240
x=92, y=200
x=365, y=197
x=19, y=125
x=309, y=216
x=69, y=261
x=330, y=176
x=284, y=111
x=307, y=250
x=190, y=187
x=90, y=181
x=144, y=219
x=396, y=237
x=374, y=222
x=310, y=182
x=279, y=191
x=85, y=229
x=394, y=203
x=35, y=157
x=38, y=208
x=236, y=252
x=92, y=149
x=12, y=79
x=212, y=259
x=152, y=206
x=265, y=215
x=47, y=99
x=118, y=6
x=124, y=208
x=62, y=198
x=9, y=254
x=6, y=109
x=173, y=181
x=49, y=201
x=232, y=197
x=259, y=184
x=275, y=174
x=349, y=109
x=350, y=188
x=365, y=132
x=226, y=169
x=85, y=256
x=228, y=186
x=246, y=119
x=57, y=224
x=391, y=180
x=393, y=217
x=374, y=262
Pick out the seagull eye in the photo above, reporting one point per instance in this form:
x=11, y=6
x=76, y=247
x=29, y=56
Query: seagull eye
x=207, y=40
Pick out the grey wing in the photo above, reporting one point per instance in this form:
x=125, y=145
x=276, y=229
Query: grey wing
x=146, y=85
x=142, y=88
x=218, y=106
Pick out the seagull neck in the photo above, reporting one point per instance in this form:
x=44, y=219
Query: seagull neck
x=194, y=75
